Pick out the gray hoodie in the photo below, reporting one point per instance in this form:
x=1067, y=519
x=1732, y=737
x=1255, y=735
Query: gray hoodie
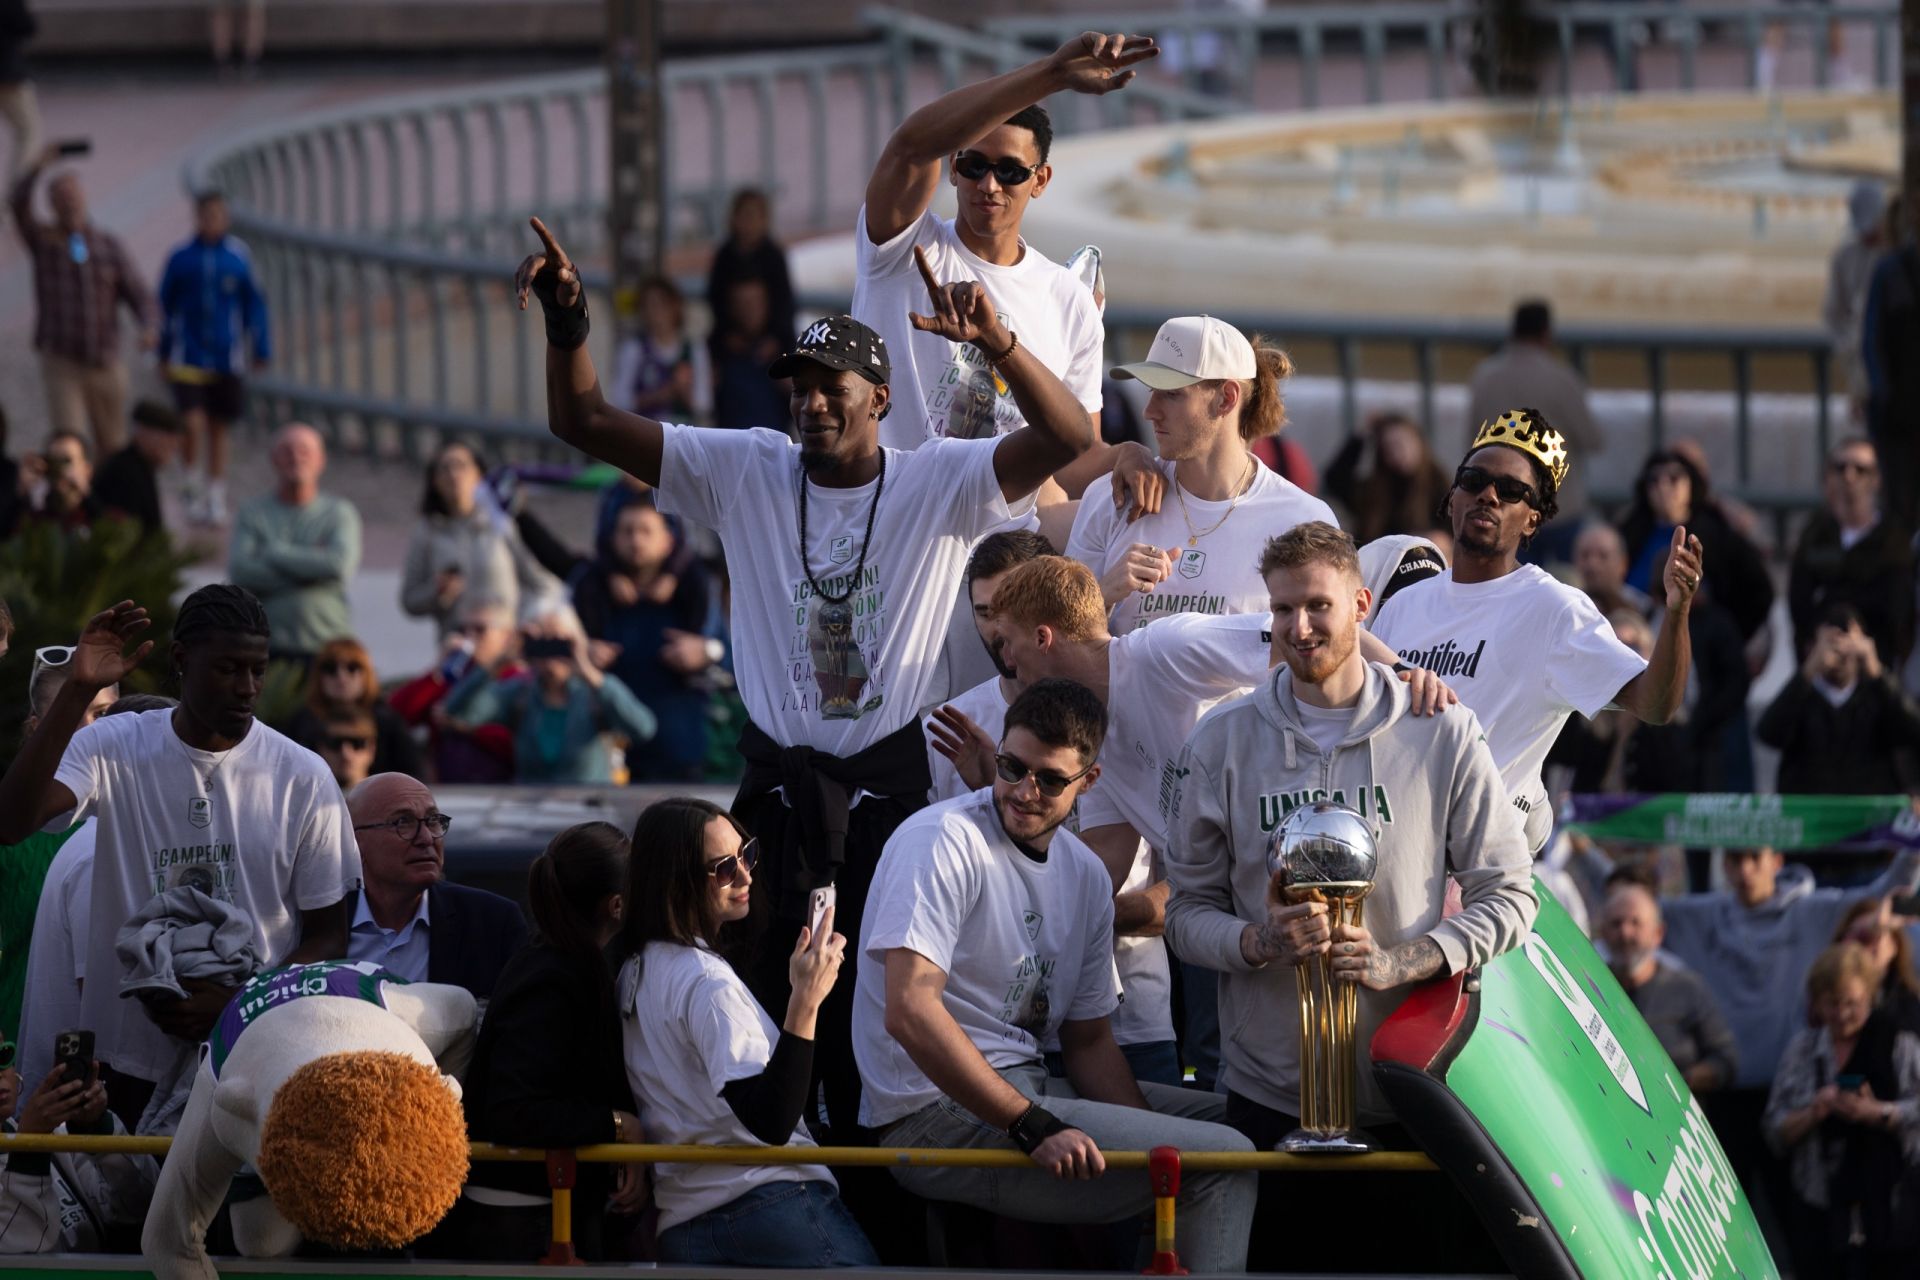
x=1755, y=959
x=1428, y=786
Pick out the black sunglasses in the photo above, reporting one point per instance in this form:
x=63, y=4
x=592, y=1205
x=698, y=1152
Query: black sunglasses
x=336, y=666
x=727, y=870
x=1846, y=466
x=973, y=166
x=357, y=742
x=1473, y=479
x=1013, y=769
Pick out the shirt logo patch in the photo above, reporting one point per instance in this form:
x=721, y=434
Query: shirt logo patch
x=1192, y=562
x=1032, y=921
x=842, y=550
x=199, y=811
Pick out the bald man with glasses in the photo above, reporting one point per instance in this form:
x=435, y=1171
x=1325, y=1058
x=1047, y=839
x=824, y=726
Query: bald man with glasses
x=407, y=917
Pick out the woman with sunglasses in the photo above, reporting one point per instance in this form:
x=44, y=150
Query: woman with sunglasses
x=342, y=686
x=708, y=1066
x=546, y=1070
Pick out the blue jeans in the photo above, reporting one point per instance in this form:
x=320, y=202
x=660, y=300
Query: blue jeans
x=777, y=1224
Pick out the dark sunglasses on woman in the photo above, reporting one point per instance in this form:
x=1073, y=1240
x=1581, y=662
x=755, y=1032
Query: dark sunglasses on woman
x=727, y=869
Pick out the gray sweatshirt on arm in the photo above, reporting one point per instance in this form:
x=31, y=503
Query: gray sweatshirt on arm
x=1429, y=788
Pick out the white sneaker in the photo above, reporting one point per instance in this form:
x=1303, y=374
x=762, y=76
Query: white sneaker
x=214, y=509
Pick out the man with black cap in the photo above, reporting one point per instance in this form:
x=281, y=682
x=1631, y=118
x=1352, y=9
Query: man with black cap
x=198, y=795
x=847, y=560
x=1523, y=649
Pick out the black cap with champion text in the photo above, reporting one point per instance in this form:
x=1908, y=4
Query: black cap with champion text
x=838, y=342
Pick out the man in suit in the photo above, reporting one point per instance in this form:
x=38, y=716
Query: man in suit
x=406, y=917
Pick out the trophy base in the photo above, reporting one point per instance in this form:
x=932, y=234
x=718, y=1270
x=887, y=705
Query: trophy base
x=1323, y=1142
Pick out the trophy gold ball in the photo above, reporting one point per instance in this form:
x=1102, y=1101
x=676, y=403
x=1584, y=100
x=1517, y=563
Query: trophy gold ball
x=1325, y=852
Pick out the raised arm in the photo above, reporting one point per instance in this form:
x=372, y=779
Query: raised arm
x=908, y=171
x=1058, y=430
x=577, y=412
x=30, y=797
x=1656, y=693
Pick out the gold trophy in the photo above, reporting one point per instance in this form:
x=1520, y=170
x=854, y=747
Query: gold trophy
x=1325, y=852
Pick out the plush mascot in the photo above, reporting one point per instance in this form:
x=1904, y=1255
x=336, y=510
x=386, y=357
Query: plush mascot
x=336, y=1082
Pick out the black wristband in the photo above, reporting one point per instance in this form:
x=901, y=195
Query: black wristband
x=566, y=326
x=1035, y=1125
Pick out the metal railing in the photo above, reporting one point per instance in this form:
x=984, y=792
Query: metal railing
x=1293, y=44
x=562, y=1166
x=385, y=232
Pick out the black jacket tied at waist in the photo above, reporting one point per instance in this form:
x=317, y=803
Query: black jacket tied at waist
x=811, y=848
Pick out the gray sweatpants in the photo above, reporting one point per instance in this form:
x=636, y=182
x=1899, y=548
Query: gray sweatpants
x=1215, y=1209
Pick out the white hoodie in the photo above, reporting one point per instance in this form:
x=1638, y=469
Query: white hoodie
x=1429, y=788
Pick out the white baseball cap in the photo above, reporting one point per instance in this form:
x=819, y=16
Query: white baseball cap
x=1190, y=349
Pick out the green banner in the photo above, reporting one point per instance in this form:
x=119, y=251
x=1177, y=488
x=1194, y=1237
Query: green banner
x=1571, y=1085
x=1787, y=823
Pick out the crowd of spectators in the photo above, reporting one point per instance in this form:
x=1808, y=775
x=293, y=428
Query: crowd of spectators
x=932, y=677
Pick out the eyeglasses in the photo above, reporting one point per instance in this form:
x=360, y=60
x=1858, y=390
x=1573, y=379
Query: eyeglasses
x=1842, y=467
x=407, y=825
x=973, y=166
x=54, y=655
x=359, y=742
x=1506, y=488
x=727, y=869
x=1051, y=782
x=336, y=667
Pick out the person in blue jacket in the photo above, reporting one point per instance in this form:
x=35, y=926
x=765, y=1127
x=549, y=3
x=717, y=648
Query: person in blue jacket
x=214, y=327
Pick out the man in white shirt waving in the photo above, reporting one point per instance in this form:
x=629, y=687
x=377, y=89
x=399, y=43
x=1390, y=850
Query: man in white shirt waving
x=990, y=931
x=847, y=559
x=993, y=139
x=202, y=795
x=1523, y=649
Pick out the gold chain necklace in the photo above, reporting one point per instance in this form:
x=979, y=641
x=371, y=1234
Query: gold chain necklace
x=1242, y=489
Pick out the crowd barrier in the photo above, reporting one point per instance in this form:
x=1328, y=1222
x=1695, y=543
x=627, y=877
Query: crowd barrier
x=1164, y=1165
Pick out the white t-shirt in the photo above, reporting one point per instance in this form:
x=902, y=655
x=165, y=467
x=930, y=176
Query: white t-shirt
x=1523, y=652
x=945, y=389
x=56, y=956
x=1327, y=726
x=986, y=706
x=262, y=826
x=1145, y=1015
x=691, y=1029
x=1219, y=574
x=1025, y=945
x=1160, y=681
x=835, y=677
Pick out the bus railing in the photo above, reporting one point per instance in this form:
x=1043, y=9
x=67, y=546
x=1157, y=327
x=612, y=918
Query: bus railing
x=1164, y=1166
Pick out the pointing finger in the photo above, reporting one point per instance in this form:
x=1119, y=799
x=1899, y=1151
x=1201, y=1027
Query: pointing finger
x=926, y=274
x=554, y=252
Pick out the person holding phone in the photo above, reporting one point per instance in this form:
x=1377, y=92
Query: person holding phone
x=559, y=712
x=1846, y=1108
x=708, y=1066
x=69, y=1201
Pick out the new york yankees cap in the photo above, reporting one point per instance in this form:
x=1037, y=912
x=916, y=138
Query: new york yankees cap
x=838, y=342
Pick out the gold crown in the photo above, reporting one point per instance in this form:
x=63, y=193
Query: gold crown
x=1527, y=431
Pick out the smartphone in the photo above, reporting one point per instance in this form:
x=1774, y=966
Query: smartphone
x=1906, y=904
x=74, y=1051
x=817, y=910
x=549, y=647
x=73, y=147
x=1850, y=1082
